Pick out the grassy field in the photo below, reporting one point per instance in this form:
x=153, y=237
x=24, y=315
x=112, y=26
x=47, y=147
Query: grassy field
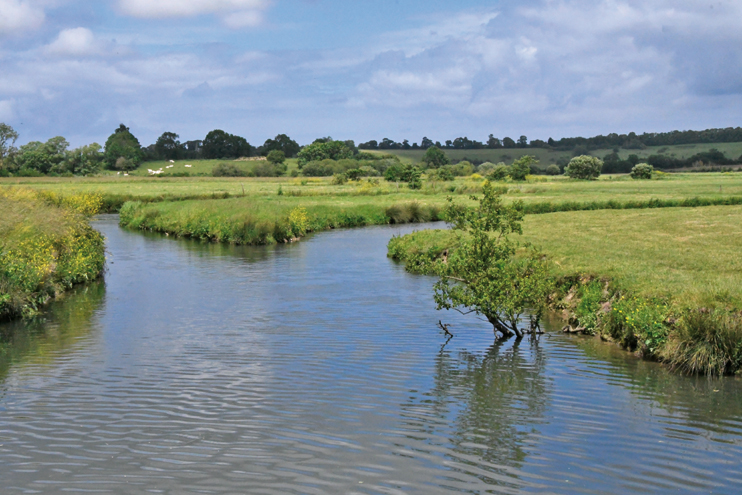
x=546, y=157
x=198, y=168
x=46, y=247
x=541, y=189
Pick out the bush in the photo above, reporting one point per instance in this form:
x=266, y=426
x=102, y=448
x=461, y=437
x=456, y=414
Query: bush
x=584, y=167
x=553, y=170
x=354, y=174
x=339, y=179
x=443, y=173
x=435, y=158
x=642, y=171
x=500, y=172
x=706, y=342
x=228, y=170
x=276, y=156
x=522, y=167
x=485, y=168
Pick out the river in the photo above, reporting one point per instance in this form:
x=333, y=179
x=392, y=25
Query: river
x=317, y=367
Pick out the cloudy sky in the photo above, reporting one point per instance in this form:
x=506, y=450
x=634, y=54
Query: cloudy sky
x=368, y=69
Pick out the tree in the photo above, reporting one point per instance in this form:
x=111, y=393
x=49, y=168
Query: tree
x=426, y=143
x=486, y=274
x=85, y=160
x=553, y=170
x=584, y=167
x=220, y=144
x=168, y=146
x=8, y=137
x=434, y=157
x=42, y=157
x=642, y=171
x=324, y=150
x=508, y=143
x=522, y=167
x=280, y=143
x=522, y=142
x=123, y=144
x=494, y=142
x=276, y=157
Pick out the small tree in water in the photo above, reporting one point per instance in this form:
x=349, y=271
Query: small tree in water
x=487, y=273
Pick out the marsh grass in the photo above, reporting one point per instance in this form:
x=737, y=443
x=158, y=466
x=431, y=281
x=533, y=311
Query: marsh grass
x=46, y=247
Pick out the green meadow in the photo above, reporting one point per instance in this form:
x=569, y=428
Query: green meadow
x=547, y=156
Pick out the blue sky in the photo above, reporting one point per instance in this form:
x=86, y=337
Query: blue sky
x=367, y=69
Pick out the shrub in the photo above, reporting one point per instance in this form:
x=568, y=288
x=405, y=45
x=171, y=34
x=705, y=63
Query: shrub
x=228, y=170
x=553, y=170
x=339, y=179
x=584, y=167
x=522, y=167
x=500, y=172
x=642, y=171
x=276, y=156
x=354, y=174
x=435, y=158
x=705, y=342
x=485, y=168
x=443, y=173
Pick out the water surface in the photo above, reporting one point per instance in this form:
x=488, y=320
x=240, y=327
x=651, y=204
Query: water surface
x=317, y=367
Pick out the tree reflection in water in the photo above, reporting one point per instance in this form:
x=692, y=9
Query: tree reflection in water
x=483, y=411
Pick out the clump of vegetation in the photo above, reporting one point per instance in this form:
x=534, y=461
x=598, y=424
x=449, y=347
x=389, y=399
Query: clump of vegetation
x=46, y=247
x=705, y=342
x=228, y=170
x=553, y=170
x=499, y=172
x=642, y=171
x=584, y=167
x=521, y=167
x=485, y=274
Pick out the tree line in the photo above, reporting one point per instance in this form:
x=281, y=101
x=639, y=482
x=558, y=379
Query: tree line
x=613, y=140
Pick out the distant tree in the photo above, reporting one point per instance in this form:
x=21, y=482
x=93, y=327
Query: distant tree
x=508, y=143
x=522, y=142
x=584, y=167
x=426, y=143
x=324, y=150
x=85, y=160
x=371, y=145
x=522, y=167
x=276, y=157
x=123, y=144
x=280, y=143
x=168, y=146
x=553, y=170
x=42, y=157
x=8, y=137
x=493, y=142
x=220, y=144
x=435, y=158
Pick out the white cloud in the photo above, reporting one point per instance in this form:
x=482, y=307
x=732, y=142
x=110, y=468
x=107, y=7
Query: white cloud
x=234, y=13
x=75, y=42
x=17, y=16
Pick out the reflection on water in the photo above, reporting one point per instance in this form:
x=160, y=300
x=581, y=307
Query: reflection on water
x=317, y=367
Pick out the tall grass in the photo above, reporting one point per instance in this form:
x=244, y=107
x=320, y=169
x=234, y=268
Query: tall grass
x=46, y=247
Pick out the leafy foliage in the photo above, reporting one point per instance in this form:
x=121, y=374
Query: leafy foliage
x=435, y=158
x=324, y=150
x=522, y=167
x=220, y=144
x=486, y=274
x=123, y=144
x=642, y=171
x=584, y=167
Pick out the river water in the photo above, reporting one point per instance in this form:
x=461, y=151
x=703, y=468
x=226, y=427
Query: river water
x=316, y=368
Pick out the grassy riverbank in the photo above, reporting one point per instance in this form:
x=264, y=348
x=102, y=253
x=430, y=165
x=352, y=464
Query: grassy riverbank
x=664, y=283
x=46, y=247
